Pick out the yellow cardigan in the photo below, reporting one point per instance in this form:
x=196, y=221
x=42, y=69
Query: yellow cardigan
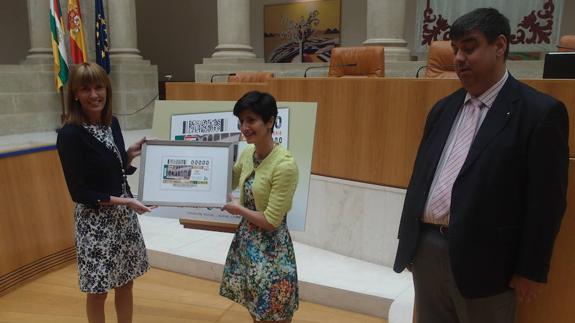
x=274, y=183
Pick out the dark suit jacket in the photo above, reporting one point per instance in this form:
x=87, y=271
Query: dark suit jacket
x=508, y=199
x=93, y=172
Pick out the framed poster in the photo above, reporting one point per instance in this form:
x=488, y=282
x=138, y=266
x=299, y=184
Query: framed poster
x=297, y=124
x=219, y=127
x=222, y=126
x=301, y=32
x=184, y=173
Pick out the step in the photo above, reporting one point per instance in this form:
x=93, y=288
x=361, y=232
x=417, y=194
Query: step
x=325, y=277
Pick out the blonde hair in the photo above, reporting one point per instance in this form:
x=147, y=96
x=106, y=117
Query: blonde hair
x=87, y=74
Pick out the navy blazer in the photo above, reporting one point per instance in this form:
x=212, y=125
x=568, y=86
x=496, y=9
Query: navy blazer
x=93, y=172
x=509, y=197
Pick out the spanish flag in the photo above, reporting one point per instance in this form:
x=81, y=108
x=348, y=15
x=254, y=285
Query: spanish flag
x=76, y=28
x=58, y=46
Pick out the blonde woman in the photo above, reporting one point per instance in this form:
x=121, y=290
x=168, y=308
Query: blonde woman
x=110, y=248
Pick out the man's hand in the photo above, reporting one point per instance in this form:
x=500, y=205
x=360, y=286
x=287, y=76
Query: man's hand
x=525, y=289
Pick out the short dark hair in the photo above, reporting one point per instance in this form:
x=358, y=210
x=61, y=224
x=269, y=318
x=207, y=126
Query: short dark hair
x=261, y=103
x=488, y=21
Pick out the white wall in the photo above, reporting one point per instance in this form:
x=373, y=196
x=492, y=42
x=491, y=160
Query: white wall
x=568, y=19
x=177, y=34
x=14, y=32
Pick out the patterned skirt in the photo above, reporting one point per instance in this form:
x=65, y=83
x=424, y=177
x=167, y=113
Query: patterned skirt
x=110, y=247
x=260, y=272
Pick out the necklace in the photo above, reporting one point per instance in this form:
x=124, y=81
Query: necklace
x=258, y=160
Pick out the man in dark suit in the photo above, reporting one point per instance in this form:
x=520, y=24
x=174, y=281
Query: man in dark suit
x=488, y=188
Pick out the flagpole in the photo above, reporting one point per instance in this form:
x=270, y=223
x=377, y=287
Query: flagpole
x=63, y=114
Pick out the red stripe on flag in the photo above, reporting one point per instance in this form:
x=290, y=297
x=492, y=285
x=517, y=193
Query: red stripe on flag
x=76, y=52
x=57, y=9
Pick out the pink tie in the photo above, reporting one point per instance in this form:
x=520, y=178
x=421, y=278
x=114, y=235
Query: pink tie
x=440, y=201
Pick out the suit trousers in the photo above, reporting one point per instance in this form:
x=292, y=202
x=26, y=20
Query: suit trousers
x=437, y=299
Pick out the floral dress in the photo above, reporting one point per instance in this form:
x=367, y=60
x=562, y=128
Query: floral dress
x=109, y=243
x=260, y=271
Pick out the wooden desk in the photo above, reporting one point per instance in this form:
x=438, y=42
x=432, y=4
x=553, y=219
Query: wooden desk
x=203, y=225
x=368, y=130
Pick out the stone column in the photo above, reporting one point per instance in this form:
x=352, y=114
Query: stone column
x=38, y=23
x=234, y=31
x=134, y=79
x=385, y=20
x=122, y=32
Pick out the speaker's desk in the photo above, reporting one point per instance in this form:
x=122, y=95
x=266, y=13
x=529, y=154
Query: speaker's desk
x=368, y=130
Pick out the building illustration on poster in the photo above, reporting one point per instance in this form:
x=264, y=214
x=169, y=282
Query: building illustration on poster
x=184, y=173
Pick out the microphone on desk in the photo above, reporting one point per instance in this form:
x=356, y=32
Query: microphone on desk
x=439, y=66
x=567, y=48
x=324, y=66
x=220, y=74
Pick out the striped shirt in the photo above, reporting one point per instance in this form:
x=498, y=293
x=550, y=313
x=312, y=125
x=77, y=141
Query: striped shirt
x=486, y=98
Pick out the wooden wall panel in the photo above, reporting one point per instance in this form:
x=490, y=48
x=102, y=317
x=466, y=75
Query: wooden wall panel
x=555, y=303
x=367, y=129
x=36, y=222
x=210, y=91
x=564, y=91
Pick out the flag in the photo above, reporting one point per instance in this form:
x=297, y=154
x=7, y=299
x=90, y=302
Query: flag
x=58, y=46
x=76, y=29
x=102, y=49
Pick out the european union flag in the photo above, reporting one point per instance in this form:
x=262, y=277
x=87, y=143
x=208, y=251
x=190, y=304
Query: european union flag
x=102, y=47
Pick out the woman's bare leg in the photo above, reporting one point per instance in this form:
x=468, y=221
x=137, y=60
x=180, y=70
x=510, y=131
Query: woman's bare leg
x=124, y=302
x=95, y=307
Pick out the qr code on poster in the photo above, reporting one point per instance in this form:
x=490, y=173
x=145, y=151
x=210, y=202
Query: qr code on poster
x=204, y=126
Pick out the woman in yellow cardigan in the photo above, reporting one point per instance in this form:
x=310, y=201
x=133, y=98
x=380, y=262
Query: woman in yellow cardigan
x=260, y=271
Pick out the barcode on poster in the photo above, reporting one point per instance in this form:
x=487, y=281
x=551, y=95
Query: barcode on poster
x=203, y=126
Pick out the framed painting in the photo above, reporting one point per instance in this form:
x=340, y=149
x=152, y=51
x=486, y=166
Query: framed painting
x=301, y=32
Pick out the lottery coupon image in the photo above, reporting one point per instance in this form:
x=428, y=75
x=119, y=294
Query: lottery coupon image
x=186, y=173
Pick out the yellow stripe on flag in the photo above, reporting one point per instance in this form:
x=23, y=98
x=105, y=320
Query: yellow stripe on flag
x=76, y=28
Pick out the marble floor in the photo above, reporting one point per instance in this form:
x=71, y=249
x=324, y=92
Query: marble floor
x=325, y=277
x=159, y=297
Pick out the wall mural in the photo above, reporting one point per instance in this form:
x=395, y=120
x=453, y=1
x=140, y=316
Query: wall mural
x=302, y=32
